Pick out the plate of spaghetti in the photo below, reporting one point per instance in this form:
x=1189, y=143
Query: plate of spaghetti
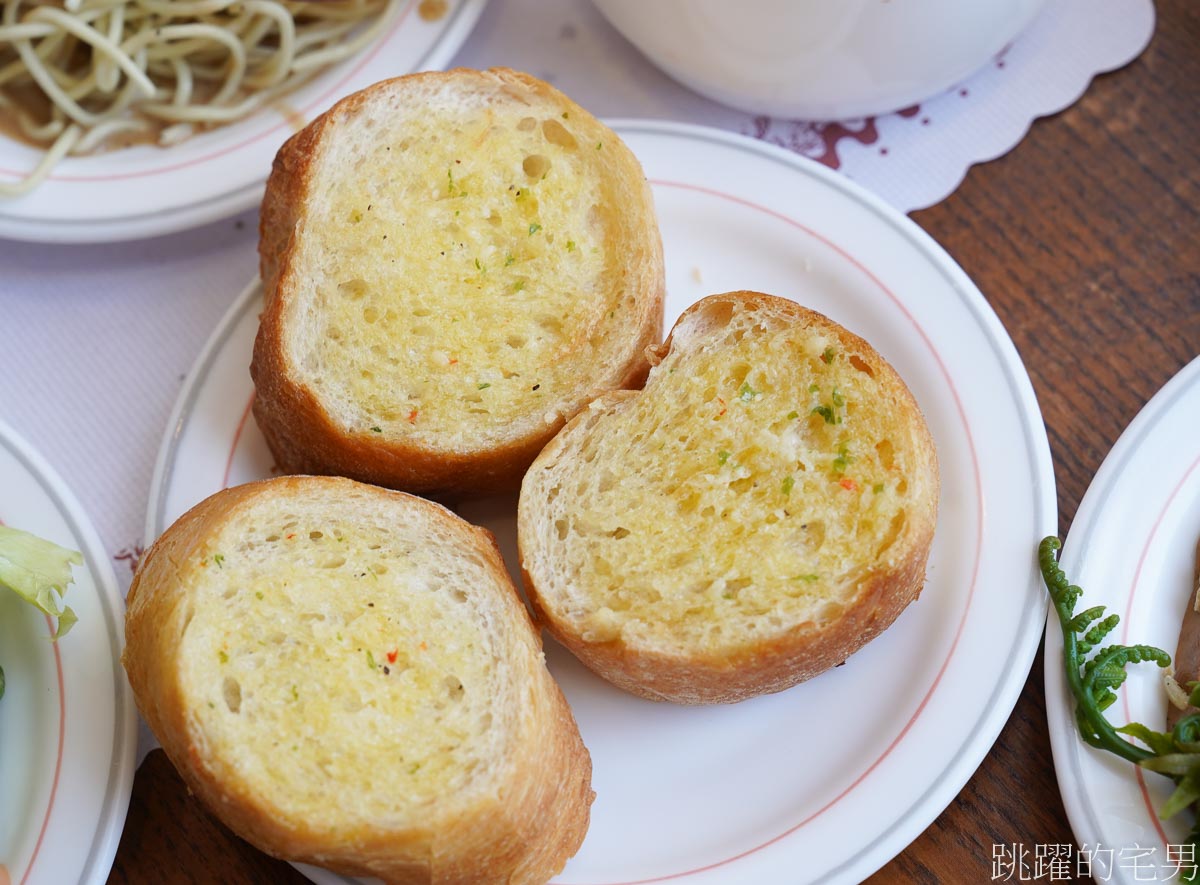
x=122, y=119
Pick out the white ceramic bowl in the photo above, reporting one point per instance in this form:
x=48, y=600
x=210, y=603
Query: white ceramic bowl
x=819, y=59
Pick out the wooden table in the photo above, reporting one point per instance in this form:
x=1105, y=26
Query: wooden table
x=1086, y=241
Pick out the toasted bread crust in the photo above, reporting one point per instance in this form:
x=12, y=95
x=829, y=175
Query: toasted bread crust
x=298, y=428
x=525, y=835
x=773, y=663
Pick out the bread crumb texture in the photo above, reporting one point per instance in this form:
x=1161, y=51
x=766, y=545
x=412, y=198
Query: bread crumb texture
x=464, y=252
x=334, y=660
x=772, y=465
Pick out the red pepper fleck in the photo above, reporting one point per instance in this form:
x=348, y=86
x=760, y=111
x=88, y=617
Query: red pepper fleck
x=848, y=483
x=289, y=537
x=412, y=417
x=453, y=360
x=723, y=408
x=391, y=655
x=423, y=647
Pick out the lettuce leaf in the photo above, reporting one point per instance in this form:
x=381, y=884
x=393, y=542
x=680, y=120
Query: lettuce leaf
x=38, y=571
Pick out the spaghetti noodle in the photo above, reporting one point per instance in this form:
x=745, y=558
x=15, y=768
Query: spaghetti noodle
x=78, y=75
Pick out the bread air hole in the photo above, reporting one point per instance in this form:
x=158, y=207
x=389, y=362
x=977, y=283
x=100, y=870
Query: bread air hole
x=536, y=166
x=561, y=526
x=887, y=454
x=353, y=289
x=619, y=532
x=527, y=124
x=859, y=363
x=454, y=688
x=815, y=533
x=829, y=611
x=370, y=314
x=231, y=690
x=557, y=133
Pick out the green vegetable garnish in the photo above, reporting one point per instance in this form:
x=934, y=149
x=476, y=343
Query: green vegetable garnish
x=1094, y=677
x=534, y=228
x=788, y=483
x=828, y=355
x=484, y=386
x=38, y=571
x=723, y=456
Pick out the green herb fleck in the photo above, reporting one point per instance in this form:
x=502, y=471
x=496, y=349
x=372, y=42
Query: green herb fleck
x=825, y=412
x=599, y=145
x=484, y=385
x=416, y=766
x=828, y=355
x=838, y=399
x=508, y=259
x=222, y=657
x=534, y=228
x=723, y=456
x=570, y=245
x=370, y=659
x=219, y=559
x=258, y=594
x=793, y=415
x=295, y=694
x=788, y=483
x=808, y=578
x=746, y=393
x=518, y=285
x=727, y=595
x=377, y=430
x=479, y=267
x=877, y=488
x=843, y=459
x=814, y=388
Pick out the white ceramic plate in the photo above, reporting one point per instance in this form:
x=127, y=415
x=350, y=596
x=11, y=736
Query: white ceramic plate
x=827, y=781
x=68, y=728
x=147, y=191
x=1132, y=549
